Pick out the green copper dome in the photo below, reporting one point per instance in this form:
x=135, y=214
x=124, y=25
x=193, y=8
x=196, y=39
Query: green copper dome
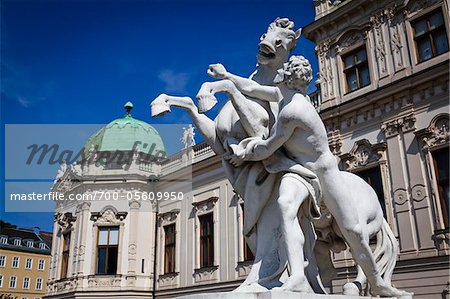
x=122, y=134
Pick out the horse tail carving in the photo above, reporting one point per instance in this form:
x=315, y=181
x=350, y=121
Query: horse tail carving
x=386, y=252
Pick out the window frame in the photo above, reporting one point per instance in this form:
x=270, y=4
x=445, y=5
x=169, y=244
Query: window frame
x=355, y=67
x=14, y=259
x=39, y=282
x=99, y=229
x=2, y=261
x=207, y=240
x=443, y=205
x=170, y=268
x=15, y=281
x=428, y=34
x=65, y=254
x=28, y=280
x=39, y=265
x=31, y=263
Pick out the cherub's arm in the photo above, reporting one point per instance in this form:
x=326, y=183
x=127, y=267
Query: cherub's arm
x=245, y=85
x=262, y=149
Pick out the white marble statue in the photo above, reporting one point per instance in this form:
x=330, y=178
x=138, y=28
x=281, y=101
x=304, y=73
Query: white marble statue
x=188, y=136
x=256, y=182
x=62, y=169
x=352, y=202
x=279, y=173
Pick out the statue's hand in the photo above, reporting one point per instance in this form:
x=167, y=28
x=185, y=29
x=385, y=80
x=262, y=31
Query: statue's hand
x=234, y=160
x=246, y=148
x=217, y=71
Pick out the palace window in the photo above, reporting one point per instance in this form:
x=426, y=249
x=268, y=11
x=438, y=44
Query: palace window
x=441, y=167
x=373, y=177
x=248, y=254
x=15, y=262
x=12, y=282
x=29, y=263
x=169, y=249
x=41, y=264
x=65, y=255
x=30, y=244
x=2, y=260
x=206, y=240
x=1, y=281
x=3, y=240
x=17, y=242
x=26, y=283
x=39, y=284
x=107, y=249
x=356, y=69
x=430, y=36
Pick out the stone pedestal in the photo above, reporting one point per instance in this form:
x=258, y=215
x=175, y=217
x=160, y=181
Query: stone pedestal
x=269, y=295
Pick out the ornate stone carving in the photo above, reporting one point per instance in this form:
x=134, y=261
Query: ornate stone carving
x=394, y=127
x=168, y=280
x=400, y=196
x=104, y=281
x=109, y=216
x=436, y=134
x=168, y=217
x=65, y=220
x=350, y=39
x=132, y=249
x=362, y=154
x=205, y=205
x=206, y=274
x=377, y=23
x=418, y=192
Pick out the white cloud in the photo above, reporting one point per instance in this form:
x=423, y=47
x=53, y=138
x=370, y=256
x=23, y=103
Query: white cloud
x=24, y=102
x=174, y=82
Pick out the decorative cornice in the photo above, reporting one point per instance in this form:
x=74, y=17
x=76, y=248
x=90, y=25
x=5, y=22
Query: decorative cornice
x=394, y=127
x=108, y=217
x=205, y=205
x=65, y=220
x=168, y=217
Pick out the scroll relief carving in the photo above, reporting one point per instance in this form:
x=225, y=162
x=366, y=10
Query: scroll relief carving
x=168, y=217
x=65, y=220
x=377, y=22
x=108, y=217
x=394, y=127
x=394, y=20
x=362, y=154
x=436, y=134
x=206, y=205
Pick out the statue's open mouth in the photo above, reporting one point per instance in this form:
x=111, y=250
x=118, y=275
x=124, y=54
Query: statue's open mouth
x=266, y=55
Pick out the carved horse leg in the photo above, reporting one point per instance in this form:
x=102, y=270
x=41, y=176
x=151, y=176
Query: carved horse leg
x=253, y=116
x=205, y=125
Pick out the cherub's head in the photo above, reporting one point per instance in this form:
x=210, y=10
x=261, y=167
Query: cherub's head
x=296, y=74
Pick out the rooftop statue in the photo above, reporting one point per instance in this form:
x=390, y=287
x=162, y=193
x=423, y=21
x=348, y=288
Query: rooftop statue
x=275, y=153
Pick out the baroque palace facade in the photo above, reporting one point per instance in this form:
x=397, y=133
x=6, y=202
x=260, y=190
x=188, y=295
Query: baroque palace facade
x=383, y=95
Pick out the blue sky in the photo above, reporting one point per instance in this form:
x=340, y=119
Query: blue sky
x=78, y=62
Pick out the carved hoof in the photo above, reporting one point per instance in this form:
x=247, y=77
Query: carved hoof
x=206, y=102
x=351, y=289
x=159, y=106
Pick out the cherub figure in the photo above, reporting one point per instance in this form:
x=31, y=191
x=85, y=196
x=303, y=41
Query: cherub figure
x=300, y=131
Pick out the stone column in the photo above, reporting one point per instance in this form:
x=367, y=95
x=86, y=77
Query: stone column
x=400, y=185
x=84, y=222
x=133, y=239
